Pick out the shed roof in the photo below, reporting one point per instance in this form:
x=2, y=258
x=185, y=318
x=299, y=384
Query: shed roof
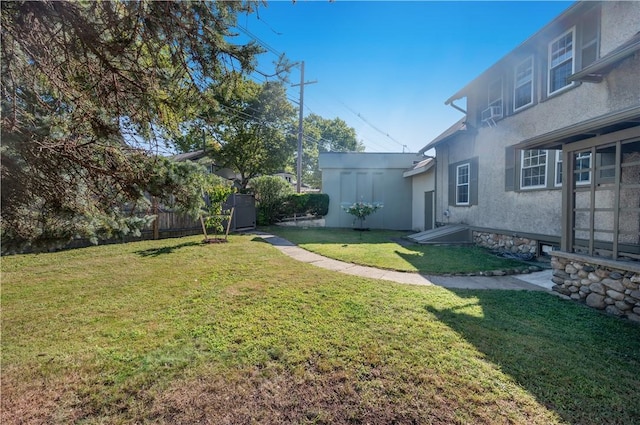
x=189, y=156
x=459, y=127
x=420, y=167
x=365, y=160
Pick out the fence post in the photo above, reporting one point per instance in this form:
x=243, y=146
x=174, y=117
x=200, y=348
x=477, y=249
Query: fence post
x=156, y=222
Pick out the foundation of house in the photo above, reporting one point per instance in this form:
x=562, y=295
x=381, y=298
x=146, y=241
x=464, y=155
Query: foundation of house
x=508, y=243
x=612, y=286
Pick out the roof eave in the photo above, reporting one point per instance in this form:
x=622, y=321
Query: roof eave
x=595, y=71
x=463, y=91
x=420, y=170
x=555, y=139
x=435, y=143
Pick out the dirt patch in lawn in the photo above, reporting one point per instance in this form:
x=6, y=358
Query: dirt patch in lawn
x=39, y=401
x=259, y=396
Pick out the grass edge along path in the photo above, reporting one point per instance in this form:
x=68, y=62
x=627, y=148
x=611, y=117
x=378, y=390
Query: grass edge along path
x=175, y=331
x=386, y=249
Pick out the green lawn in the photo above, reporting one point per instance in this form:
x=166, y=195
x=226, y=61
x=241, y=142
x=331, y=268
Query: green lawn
x=175, y=331
x=388, y=250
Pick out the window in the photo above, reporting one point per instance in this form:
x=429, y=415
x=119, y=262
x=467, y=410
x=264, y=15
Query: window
x=582, y=162
x=495, y=97
x=558, y=168
x=590, y=29
x=533, y=169
x=523, y=85
x=560, y=62
x=462, y=184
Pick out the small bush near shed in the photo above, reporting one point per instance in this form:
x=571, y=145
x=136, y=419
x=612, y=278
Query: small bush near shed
x=271, y=193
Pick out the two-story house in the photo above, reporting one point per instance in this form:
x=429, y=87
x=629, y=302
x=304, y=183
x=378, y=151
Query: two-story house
x=548, y=151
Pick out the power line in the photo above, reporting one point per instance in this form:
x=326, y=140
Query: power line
x=266, y=23
x=274, y=51
x=368, y=123
x=259, y=40
x=278, y=54
x=384, y=133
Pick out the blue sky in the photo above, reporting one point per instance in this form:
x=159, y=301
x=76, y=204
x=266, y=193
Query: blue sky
x=386, y=67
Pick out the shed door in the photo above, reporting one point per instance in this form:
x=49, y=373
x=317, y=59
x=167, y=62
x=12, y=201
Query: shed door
x=428, y=210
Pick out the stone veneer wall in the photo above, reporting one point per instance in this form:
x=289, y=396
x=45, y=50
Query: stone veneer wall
x=602, y=284
x=500, y=242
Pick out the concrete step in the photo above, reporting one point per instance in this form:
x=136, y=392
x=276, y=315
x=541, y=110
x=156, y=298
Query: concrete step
x=449, y=234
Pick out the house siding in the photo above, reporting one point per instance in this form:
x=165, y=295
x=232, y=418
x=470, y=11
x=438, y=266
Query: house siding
x=534, y=211
x=620, y=21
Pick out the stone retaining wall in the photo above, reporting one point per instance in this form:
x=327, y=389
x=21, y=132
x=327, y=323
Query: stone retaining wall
x=508, y=243
x=607, y=287
x=303, y=222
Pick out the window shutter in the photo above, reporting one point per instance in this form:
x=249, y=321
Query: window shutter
x=452, y=184
x=510, y=169
x=473, y=181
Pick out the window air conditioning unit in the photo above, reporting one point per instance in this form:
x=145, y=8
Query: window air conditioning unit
x=491, y=112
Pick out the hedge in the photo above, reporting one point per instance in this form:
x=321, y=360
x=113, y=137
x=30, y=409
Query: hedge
x=316, y=204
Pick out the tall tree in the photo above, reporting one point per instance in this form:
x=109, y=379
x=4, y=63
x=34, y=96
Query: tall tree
x=256, y=134
x=90, y=91
x=325, y=135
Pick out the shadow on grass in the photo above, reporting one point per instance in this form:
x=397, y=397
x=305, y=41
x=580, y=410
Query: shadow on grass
x=456, y=259
x=574, y=360
x=156, y=252
x=329, y=235
x=427, y=259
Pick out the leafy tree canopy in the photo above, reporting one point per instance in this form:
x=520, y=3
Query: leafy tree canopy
x=89, y=92
x=325, y=135
x=255, y=134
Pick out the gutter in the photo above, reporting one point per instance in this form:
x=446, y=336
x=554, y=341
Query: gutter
x=574, y=8
x=453, y=105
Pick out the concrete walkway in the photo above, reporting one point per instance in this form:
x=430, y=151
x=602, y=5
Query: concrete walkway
x=538, y=281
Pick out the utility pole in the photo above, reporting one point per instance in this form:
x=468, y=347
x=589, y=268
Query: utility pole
x=300, y=131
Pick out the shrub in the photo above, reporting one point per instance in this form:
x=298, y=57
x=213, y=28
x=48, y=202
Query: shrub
x=271, y=193
x=316, y=204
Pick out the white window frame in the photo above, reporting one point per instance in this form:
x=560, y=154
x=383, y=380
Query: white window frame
x=581, y=156
x=523, y=168
x=517, y=85
x=466, y=165
x=572, y=58
x=559, y=171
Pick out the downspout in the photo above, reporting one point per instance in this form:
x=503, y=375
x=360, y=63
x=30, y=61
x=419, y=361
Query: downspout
x=453, y=105
x=435, y=193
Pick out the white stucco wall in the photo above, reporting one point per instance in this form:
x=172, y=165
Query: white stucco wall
x=369, y=177
x=620, y=21
x=526, y=211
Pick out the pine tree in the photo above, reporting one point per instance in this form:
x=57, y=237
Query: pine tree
x=91, y=92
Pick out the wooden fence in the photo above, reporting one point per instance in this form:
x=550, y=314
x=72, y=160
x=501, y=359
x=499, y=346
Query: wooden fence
x=171, y=224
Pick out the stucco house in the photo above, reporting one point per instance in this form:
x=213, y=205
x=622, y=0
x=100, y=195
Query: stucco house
x=547, y=154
